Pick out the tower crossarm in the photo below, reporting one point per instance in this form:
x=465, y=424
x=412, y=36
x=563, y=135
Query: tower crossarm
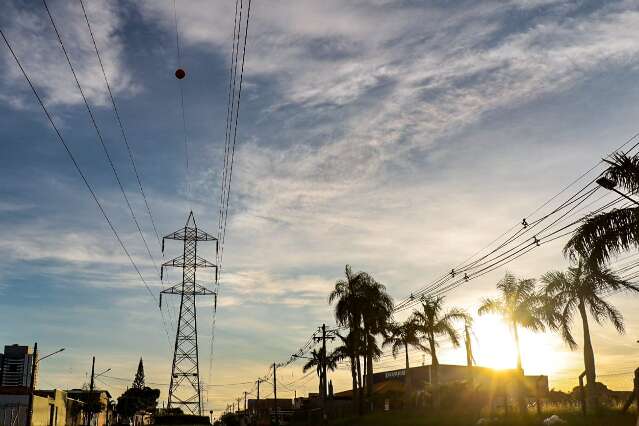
x=200, y=290
x=190, y=234
x=179, y=262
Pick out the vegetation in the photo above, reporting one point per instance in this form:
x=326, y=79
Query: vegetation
x=433, y=323
x=581, y=289
x=606, y=234
x=138, y=397
x=399, y=337
x=364, y=307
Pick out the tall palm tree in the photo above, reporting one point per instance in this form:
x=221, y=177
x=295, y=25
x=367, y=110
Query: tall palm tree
x=606, y=234
x=377, y=308
x=581, y=289
x=347, y=296
x=348, y=350
x=434, y=323
x=399, y=337
x=520, y=306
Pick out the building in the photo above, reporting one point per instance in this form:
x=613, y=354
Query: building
x=50, y=407
x=53, y=407
x=496, y=387
x=482, y=376
x=105, y=416
x=16, y=364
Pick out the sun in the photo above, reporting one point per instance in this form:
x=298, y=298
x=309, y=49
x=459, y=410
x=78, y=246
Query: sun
x=493, y=344
x=494, y=347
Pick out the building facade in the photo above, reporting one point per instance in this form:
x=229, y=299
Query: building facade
x=16, y=365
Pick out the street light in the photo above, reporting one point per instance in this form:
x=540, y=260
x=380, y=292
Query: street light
x=103, y=373
x=36, y=360
x=611, y=185
x=300, y=356
x=51, y=354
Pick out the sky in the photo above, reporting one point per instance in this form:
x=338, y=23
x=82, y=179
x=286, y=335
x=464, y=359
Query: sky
x=398, y=137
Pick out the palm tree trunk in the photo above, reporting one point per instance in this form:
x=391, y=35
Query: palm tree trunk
x=519, y=382
x=435, y=371
x=360, y=400
x=369, y=382
x=354, y=377
x=516, y=336
x=589, y=363
x=407, y=381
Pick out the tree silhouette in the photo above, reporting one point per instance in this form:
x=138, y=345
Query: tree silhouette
x=433, y=323
x=606, y=234
x=138, y=381
x=581, y=289
x=520, y=306
x=399, y=337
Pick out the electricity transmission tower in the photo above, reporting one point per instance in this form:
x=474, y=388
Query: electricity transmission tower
x=184, y=389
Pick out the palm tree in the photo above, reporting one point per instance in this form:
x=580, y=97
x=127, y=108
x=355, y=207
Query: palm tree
x=434, y=323
x=315, y=361
x=581, y=289
x=347, y=296
x=348, y=350
x=377, y=308
x=400, y=337
x=606, y=234
x=520, y=306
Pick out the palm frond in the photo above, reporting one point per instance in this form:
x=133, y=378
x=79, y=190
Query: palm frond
x=604, y=235
x=491, y=306
x=624, y=170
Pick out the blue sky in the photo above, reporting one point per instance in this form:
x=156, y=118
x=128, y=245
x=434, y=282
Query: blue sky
x=399, y=137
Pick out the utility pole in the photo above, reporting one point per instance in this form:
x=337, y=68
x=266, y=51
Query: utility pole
x=323, y=368
x=245, y=401
x=184, y=388
x=32, y=383
x=277, y=418
x=90, y=398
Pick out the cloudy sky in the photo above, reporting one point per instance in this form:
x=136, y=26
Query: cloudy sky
x=398, y=137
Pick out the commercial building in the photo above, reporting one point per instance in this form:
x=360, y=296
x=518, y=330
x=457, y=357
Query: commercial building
x=16, y=364
x=496, y=387
x=53, y=407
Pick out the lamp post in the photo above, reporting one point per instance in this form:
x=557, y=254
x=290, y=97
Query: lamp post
x=34, y=367
x=611, y=185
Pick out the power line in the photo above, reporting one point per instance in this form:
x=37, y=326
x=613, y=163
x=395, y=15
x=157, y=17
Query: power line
x=184, y=128
x=78, y=168
x=121, y=125
x=97, y=130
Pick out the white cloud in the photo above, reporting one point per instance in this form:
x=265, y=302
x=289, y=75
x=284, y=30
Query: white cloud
x=33, y=39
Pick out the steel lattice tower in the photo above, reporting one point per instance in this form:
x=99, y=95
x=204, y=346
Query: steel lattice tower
x=184, y=389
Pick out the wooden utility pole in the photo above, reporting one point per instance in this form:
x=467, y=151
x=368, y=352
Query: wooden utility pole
x=34, y=364
x=257, y=404
x=90, y=397
x=277, y=418
x=245, y=401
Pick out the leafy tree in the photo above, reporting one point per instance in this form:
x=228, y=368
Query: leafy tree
x=138, y=382
x=582, y=289
x=400, y=337
x=606, y=234
x=520, y=306
x=433, y=323
x=135, y=399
